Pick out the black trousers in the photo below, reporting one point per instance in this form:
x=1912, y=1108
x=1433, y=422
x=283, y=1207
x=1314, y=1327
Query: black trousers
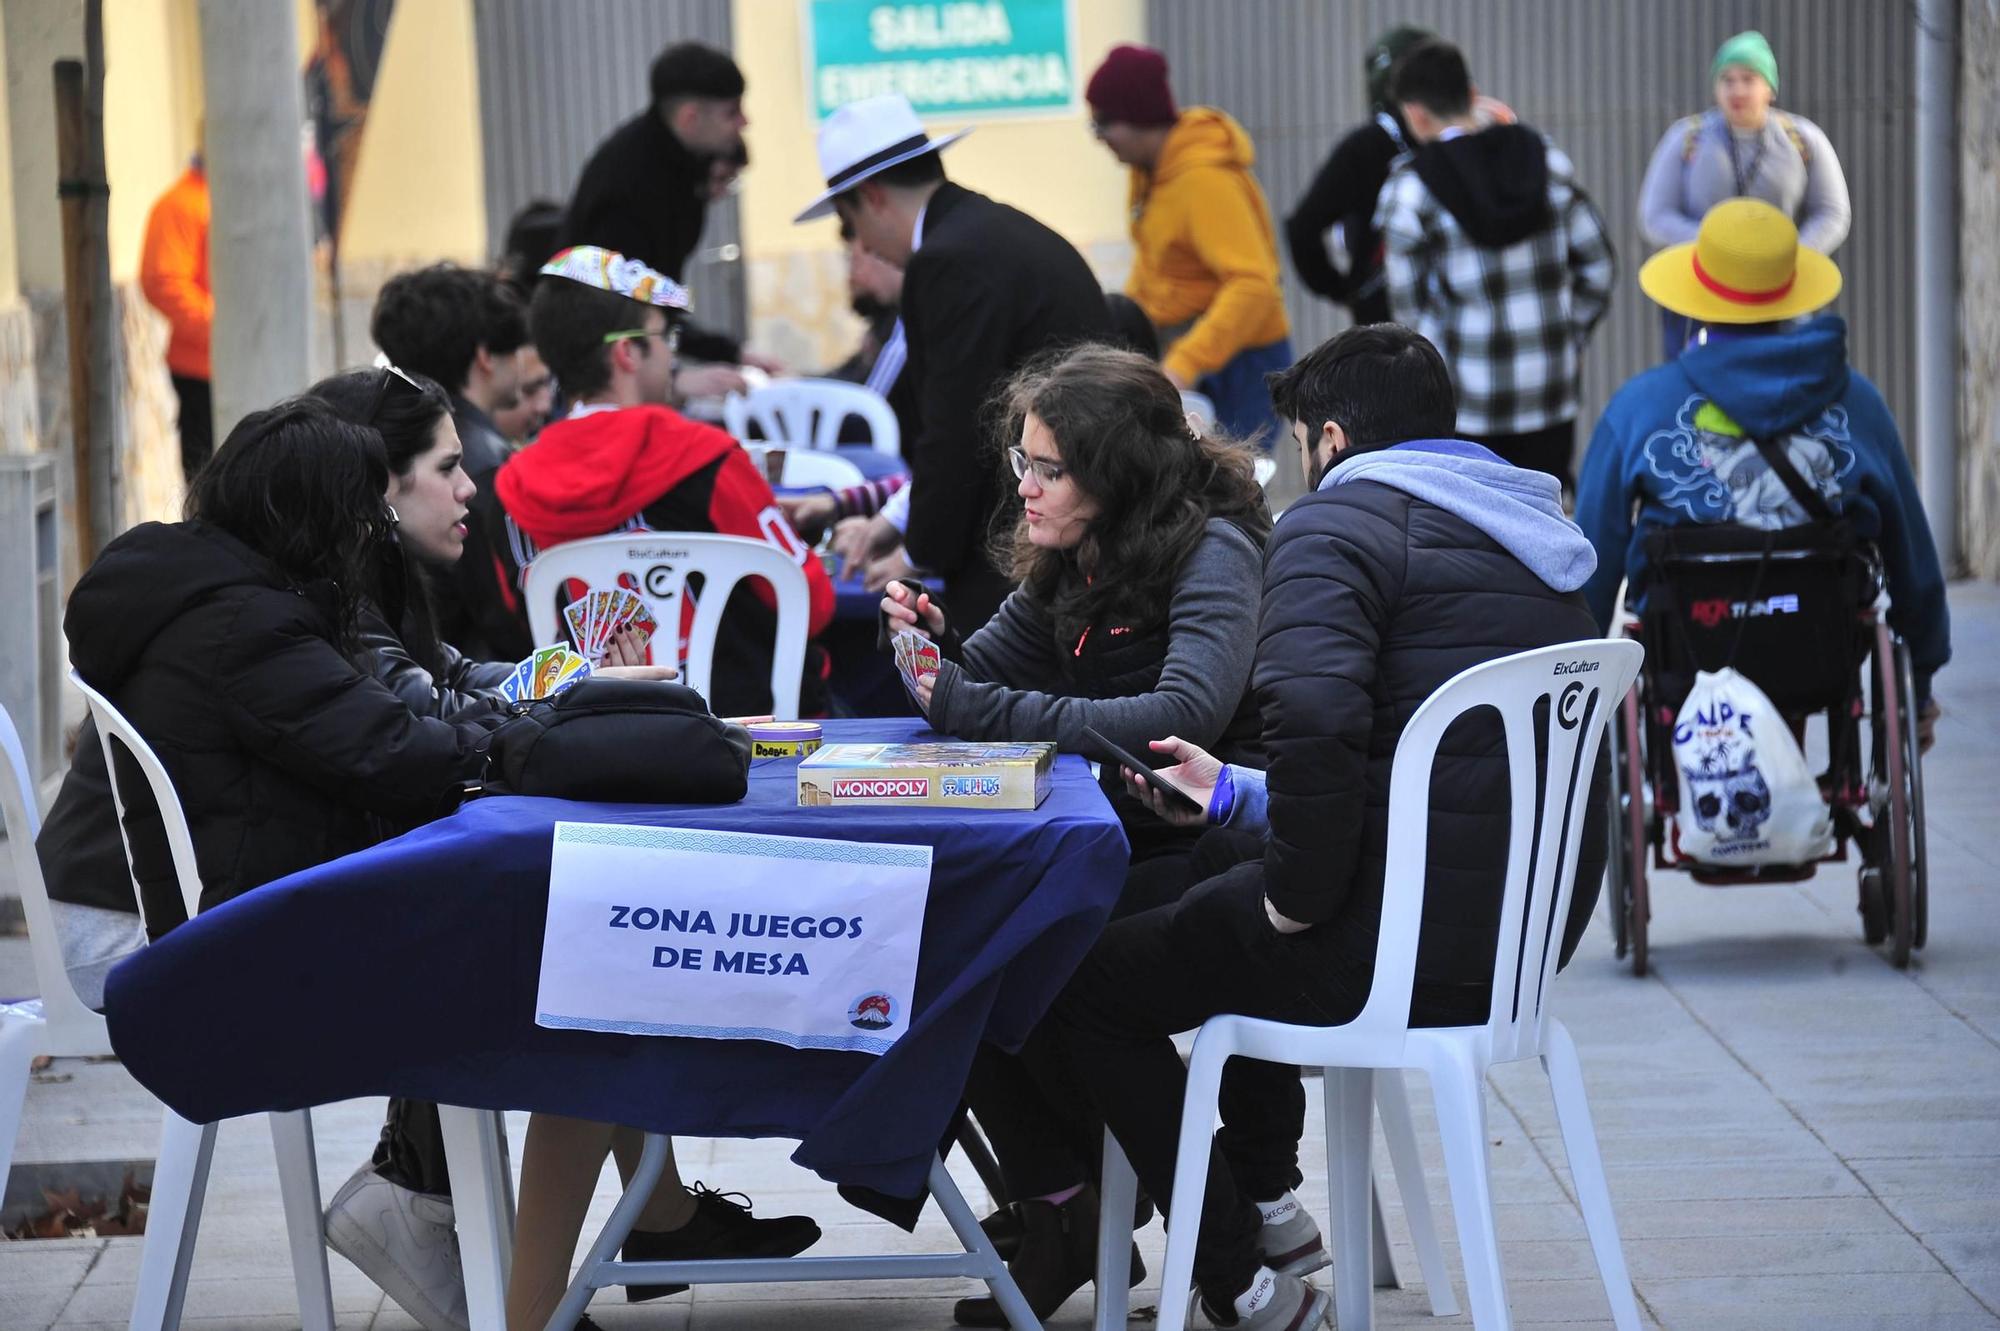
x=197, y=424
x=1044, y=1133
x=410, y=1153
x=1549, y=449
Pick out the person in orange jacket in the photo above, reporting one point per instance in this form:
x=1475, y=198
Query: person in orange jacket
x=1205, y=254
x=173, y=272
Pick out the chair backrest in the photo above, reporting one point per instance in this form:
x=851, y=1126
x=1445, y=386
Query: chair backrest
x=113, y=728
x=657, y=565
x=808, y=413
x=74, y=1030
x=806, y=468
x=1582, y=684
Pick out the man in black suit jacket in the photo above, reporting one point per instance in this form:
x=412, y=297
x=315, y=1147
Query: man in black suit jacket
x=986, y=288
x=645, y=191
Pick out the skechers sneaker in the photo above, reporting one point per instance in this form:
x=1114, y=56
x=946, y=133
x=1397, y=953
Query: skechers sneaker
x=1290, y=1243
x=405, y=1242
x=1277, y=1303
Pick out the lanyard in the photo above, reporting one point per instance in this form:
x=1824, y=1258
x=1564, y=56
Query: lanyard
x=1745, y=176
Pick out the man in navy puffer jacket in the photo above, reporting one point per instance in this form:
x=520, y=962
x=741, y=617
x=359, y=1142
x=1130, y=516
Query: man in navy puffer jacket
x=1415, y=556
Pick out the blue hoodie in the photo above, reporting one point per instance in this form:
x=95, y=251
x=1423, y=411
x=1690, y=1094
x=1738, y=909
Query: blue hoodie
x=1676, y=441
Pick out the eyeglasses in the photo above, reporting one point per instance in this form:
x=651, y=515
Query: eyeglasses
x=391, y=375
x=671, y=336
x=1046, y=473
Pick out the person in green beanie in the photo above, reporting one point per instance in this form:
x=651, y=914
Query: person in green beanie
x=1743, y=148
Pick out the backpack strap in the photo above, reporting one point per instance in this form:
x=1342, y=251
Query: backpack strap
x=1799, y=144
x=1809, y=499
x=1690, y=138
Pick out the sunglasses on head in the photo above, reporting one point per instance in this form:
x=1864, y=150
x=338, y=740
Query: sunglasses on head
x=391, y=375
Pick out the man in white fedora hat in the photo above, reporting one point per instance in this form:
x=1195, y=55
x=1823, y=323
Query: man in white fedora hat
x=985, y=289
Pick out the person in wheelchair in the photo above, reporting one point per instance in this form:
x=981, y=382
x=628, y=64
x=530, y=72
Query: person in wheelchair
x=1690, y=441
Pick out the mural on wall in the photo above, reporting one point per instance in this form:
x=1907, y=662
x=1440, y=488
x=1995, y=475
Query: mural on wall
x=340, y=79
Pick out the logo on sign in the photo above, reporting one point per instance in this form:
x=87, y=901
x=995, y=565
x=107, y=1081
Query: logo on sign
x=882, y=788
x=1709, y=613
x=973, y=787
x=872, y=1012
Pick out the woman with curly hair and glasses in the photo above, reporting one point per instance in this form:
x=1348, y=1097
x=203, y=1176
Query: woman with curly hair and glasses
x=1139, y=551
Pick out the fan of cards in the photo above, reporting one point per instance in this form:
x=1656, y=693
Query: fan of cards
x=915, y=655
x=545, y=674
x=598, y=617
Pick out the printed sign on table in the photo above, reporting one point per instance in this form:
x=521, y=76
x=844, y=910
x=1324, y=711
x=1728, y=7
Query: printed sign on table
x=959, y=59
x=732, y=936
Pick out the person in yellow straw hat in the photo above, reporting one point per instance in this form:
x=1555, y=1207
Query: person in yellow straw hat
x=1678, y=442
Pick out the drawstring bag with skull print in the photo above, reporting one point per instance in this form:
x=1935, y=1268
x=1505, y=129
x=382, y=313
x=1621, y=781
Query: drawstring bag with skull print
x=1747, y=796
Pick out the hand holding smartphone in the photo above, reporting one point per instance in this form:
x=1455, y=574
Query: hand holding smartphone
x=1175, y=795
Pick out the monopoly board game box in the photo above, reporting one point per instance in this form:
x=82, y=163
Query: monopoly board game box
x=940, y=775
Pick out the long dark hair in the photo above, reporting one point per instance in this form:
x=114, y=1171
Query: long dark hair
x=303, y=488
x=404, y=408
x=1126, y=443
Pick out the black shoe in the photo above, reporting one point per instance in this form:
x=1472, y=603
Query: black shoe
x=1057, y=1257
x=1003, y=1230
x=720, y=1227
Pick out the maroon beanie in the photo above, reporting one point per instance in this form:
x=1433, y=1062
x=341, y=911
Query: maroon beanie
x=1131, y=86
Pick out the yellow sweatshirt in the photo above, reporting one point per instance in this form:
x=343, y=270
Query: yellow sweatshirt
x=1204, y=249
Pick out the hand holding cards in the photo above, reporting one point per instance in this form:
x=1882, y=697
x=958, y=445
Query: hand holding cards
x=916, y=656
x=595, y=618
x=548, y=672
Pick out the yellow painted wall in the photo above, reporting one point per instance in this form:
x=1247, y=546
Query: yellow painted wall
x=1049, y=167
x=419, y=188
x=152, y=105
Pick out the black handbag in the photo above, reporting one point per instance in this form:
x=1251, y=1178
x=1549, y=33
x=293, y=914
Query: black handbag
x=622, y=741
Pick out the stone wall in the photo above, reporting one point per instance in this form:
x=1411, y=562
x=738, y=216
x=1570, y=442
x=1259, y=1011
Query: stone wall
x=1979, y=273
x=19, y=419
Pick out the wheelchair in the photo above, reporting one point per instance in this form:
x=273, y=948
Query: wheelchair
x=1800, y=611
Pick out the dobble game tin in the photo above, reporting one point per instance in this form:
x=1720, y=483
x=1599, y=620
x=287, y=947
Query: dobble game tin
x=936, y=775
x=784, y=739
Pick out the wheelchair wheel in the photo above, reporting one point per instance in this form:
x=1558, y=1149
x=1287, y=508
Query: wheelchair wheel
x=1913, y=778
x=1890, y=764
x=1630, y=839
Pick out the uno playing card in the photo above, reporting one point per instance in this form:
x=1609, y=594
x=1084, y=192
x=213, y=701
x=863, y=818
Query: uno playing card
x=915, y=655
x=548, y=664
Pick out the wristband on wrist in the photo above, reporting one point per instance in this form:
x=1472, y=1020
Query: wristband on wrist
x=1222, y=799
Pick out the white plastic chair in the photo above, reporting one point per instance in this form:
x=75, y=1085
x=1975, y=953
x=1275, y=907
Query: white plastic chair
x=808, y=413
x=57, y=1023
x=660, y=563
x=180, y=1176
x=1582, y=682
x=804, y=468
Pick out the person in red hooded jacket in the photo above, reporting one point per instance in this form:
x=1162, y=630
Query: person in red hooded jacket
x=623, y=460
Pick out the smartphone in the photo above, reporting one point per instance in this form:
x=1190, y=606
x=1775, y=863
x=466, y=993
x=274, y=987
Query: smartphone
x=1177, y=797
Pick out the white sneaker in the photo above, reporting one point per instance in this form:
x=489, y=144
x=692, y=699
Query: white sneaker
x=405, y=1242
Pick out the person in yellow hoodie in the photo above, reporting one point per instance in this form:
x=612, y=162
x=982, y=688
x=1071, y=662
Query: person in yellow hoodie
x=173, y=272
x=1205, y=255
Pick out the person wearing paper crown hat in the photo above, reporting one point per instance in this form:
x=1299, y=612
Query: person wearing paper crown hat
x=622, y=459
x=1678, y=439
x=986, y=288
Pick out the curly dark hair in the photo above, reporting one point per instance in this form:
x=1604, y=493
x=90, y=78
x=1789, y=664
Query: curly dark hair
x=1126, y=442
x=305, y=489
x=435, y=321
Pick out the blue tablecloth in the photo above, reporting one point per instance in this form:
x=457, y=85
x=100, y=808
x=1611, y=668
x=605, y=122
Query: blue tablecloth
x=411, y=968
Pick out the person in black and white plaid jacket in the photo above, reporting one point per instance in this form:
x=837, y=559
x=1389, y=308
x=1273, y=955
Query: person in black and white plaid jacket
x=1496, y=255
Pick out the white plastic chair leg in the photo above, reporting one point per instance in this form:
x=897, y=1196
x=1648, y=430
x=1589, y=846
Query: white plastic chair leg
x=21, y=1039
x=1350, y=1119
x=305, y=1230
x=1117, y=1193
x=1399, y=1133
x=1204, y=1086
x=180, y=1180
x=1459, y=1087
x=1385, y=1256
x=482, y=1208
x=1586, y=1167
